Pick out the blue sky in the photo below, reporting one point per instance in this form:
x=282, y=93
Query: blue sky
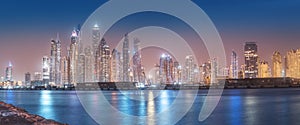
x=26, y=27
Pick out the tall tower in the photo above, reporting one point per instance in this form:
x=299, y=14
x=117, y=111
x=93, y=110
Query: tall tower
x=89, y=61
x=126, y=52
x=234, y=69
x=55, y=62
x=166, y=69
x=46, y=70
x=95, y=51
x=104, y=61
x=214, y=71
x=251, y=60
x=73, y=57
x=65, y=70
x=27, y=79
x=116, y=66
x=8, y=72
x=277, y=64
x=137, y=62
x=189, y=69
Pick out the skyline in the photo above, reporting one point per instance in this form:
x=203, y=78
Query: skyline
x=263, y=28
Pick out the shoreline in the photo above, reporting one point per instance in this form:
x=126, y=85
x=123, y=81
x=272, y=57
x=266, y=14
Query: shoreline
x=12, y=115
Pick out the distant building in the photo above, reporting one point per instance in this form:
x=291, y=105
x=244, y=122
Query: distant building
x=137, y=62
x=126, y=65
x=9, y=72
x=55, y=62
x=263, y=70
x=95, y=51
x=104, y=62
x=89, y=65
x=214, y=70
x=27, y=79
x=166, y=69
x=277, y=64
x=46, y=70
x=116, y=66
x=65, y=70
x=293, y=64
x=251, y=60
x=189, y=70
x=234, y=66
x=73, y=57
x=38, y=76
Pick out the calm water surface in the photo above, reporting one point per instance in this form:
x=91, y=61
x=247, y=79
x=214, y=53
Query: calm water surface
x=237, y=107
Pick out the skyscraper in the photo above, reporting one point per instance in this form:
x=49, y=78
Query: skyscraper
x=55, y=62
x=104, y=61
x=214, y=71
x=46, y=70
x=65, y=70
x=8, y=72
x=166, y=69
x=95, y=51
x=137, y=62
x=277, y=64
x=27, y=79
x=116, y=66
x=263, y=70
x=293, y=64
x=89, y=64
x=126, y=65
x=251, y=60
x=234, y=66
x=73, y=57
x=189, y=69
x=80, y=69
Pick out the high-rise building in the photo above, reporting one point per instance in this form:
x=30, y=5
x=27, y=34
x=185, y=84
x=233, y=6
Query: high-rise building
x=55, y=60
x=8, y=72
x=277, y=64
x=214, y=71
x=80, y=72
x=95, y=51
x=27, y=79
x=89, y=64
x=37, y=76
x=234, y=66
x=251, y=60
x=116, y=66
x=263, y=70
x=166, y=69
x=46, y=70
x=126, y=65
x=177, y=72
x=137, y=62
x=73, y=57
x=293, y=64
x=189, y=69
x=65, y=70
x=104, y=61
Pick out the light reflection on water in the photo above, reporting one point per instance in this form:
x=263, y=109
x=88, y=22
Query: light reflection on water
x=237, y=107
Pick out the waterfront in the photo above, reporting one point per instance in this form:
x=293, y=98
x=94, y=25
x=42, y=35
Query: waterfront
x=237, y=106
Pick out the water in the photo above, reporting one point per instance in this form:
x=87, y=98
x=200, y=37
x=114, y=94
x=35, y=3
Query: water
x=236, y=107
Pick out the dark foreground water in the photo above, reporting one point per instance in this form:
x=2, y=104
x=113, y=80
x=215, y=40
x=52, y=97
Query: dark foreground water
x=236, y=107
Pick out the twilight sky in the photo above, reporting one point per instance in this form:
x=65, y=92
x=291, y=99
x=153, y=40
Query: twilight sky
x=26, y=27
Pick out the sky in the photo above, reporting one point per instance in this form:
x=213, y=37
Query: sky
x=26, y=27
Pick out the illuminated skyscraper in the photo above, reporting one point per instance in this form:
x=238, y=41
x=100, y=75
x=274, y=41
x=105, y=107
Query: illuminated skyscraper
x=65, y=70
x=189, y=69
x=263, y=70
x=137, y=62
x=277, y=64
x=89, y=61
x=166, y=69
x=73, y=57
x=234, y=66
x=116, y=66
x=55, y=62
x=8, y=72
x=95, y=51
x=126, y=65
x=214, y=71
x=104, y=61
x=251, y=60
x=293, y=64
x=80, y=72
x=46, y=70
